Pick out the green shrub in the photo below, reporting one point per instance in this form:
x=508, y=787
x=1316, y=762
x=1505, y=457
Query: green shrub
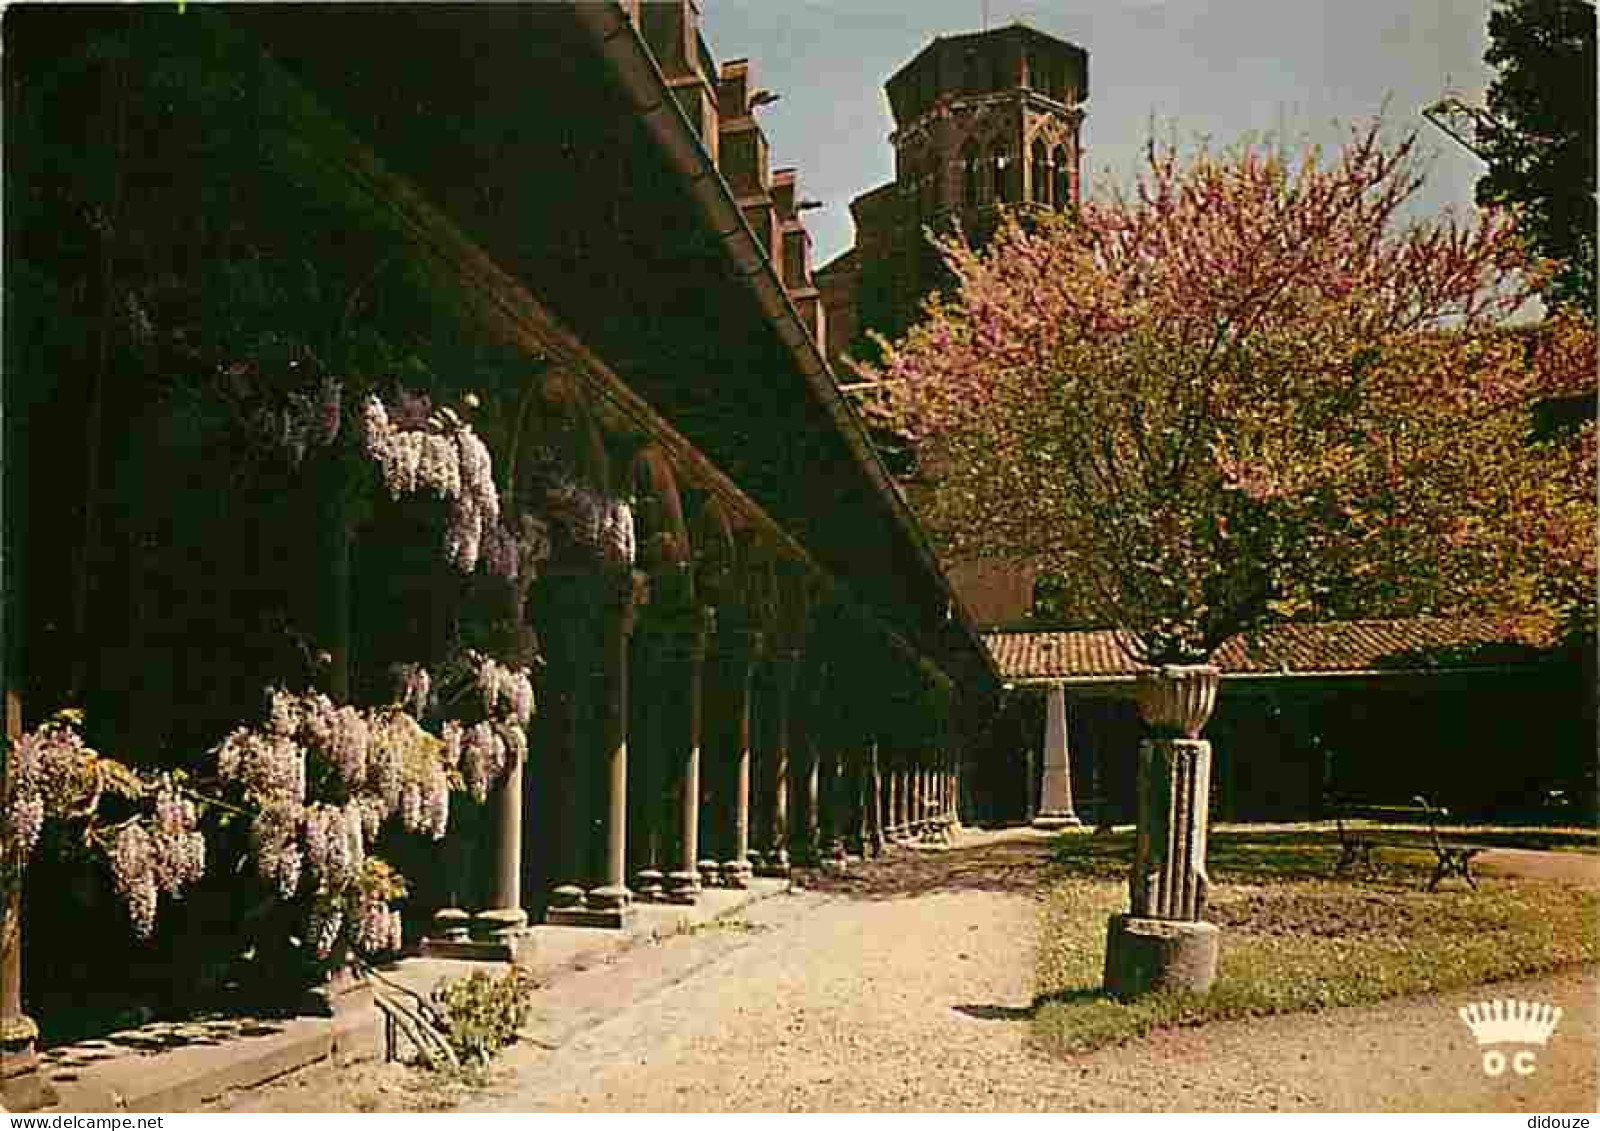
x=482, y=1013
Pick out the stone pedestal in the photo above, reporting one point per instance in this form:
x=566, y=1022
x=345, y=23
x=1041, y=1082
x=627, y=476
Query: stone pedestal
x=1055, y=789
x=1153, y=955
x=1163, y=944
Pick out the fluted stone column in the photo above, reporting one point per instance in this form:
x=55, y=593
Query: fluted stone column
x=1169, y=878
x=1055, y=791
x=1163, y=943
x=685, y=669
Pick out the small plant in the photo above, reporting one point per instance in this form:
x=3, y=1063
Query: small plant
x=481, y=1013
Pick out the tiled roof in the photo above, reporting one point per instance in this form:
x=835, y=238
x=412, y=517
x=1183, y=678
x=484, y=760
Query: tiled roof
x=1342, y=647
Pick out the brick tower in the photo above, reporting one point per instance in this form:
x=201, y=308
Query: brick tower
x=981, y=121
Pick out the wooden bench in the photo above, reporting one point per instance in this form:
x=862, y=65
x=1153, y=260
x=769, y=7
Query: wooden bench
x=1356, y=844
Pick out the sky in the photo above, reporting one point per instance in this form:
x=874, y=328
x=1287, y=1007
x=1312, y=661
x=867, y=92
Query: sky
x=1218, y=69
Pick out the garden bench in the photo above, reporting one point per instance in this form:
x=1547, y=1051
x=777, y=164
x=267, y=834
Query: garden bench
x=1356, y=844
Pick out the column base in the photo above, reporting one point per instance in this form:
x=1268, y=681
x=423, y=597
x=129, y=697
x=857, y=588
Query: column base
x=610, y=907
x=710, y=873
x=566, y=897
x=611, y=918
x=498, y=935
x=22, y=1086
x=682, y=888
x=1149, y=955
x=648, y=885
x=736, y=874
x=774, y=864
x=1061, y=820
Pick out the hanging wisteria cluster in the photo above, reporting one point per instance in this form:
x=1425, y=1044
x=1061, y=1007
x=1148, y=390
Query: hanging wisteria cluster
x=319, y=780
x=516, y=555
x=369, y=766
x=47, y=765
x=163, y=852
x=486, y=749
x=594, y=521
x=309, y=419
x=54, y=774
x=443, y=455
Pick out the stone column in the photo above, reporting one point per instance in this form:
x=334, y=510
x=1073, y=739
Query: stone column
x=877, y=798
x=22, y=1087
x=810, y=842
x=597, y=767
x=775, y=763
x=503, y=925
x=891, y=824
x=612, y=900
x=835, y=828
x=685, y=669
x=1055, y=791
x=562, y=809
x=741, y=661
x=858, y=783
x=1163, y=943
x=903, y=778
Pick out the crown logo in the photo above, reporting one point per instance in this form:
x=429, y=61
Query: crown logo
x=1509, y=1022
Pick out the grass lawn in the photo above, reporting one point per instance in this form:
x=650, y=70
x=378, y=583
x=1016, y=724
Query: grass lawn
x=1294, y=939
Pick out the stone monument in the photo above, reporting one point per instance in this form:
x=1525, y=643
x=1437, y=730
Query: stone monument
x=1163, y=943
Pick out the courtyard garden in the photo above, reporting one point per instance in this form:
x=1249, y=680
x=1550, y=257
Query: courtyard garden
x=1297, y=938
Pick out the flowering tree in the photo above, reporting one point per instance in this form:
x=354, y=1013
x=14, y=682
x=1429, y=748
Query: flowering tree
x=1251, y=389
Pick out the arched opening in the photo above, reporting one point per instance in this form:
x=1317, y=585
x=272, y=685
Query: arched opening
x=969, y=175
x=663, y=539
x=1041, y=174
x=997, y=172
x=1063, y=178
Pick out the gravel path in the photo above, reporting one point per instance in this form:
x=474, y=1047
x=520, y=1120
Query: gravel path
x=907, y=988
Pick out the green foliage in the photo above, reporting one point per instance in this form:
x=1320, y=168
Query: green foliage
x=483, y=1013
x=1542, y=153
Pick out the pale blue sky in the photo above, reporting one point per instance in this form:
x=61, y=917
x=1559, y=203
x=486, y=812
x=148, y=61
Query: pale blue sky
x=1220, y=68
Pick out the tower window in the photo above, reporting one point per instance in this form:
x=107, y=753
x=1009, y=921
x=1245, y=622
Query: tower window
x=1041, y=174
x=998, y=162
x=1063, y=172
x=970, y=180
